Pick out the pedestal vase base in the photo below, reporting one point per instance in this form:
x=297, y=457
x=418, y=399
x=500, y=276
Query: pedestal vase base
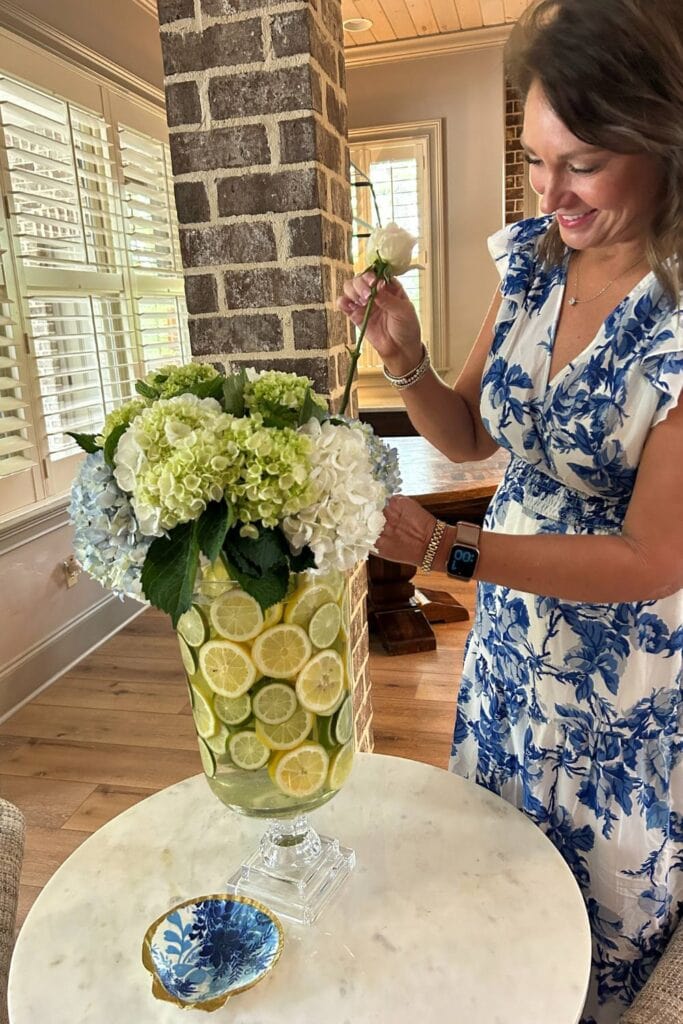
x=295, y=872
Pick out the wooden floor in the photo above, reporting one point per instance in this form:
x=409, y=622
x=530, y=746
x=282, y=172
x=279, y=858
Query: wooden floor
x=117, y=728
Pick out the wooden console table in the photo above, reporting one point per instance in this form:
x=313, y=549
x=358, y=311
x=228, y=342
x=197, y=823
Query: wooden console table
x=399, y=614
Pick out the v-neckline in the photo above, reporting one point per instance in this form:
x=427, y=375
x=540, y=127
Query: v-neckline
x=552, y=383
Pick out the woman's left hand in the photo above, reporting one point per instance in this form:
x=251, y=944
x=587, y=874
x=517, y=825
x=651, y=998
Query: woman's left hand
x=407, y=531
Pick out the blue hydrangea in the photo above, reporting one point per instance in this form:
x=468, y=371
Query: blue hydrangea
x=107, y=540
x=384, y=458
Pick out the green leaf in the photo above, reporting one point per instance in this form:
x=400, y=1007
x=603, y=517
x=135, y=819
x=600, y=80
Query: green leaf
x=311, y=410
x=268, y=589
x=210, y=388
x=170, y=569
x=146, y=390
x=257, y=557
x=304, y=560
x=212, y=526
x=111, y=443
x=233, y=393
x=85, y=441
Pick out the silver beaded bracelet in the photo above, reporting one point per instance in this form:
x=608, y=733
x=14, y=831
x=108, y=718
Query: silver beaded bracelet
x=413, y=376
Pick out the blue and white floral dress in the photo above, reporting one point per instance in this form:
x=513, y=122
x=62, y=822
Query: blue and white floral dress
x=573, y=711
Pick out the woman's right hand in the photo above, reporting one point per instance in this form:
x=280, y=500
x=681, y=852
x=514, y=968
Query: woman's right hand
x=393, y=328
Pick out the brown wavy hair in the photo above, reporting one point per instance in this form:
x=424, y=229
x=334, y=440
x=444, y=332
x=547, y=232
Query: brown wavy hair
x=612, y=70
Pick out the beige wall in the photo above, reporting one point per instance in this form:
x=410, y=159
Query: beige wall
x=464, y=89
x=118, y=29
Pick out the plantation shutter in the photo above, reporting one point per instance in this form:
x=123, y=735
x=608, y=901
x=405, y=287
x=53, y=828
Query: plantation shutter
x=17, y=450
x=398, y=173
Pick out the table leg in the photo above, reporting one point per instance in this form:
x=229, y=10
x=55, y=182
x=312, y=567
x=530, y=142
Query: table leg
x=399, y=614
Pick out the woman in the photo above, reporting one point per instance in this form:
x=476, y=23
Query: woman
x=570, y=705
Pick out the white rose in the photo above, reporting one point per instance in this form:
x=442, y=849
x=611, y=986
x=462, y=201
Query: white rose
x=392, y=244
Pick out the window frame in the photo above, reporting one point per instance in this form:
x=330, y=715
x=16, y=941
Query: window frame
x=429, y=134
x=47, y=482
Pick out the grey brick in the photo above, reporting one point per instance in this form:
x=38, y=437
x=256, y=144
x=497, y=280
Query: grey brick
x=182, y=103
x=248, y=93
x=221, y=334
x=192, y=202
x=241, y=146
x=220, y=45
x=305, y=138
x=227, y=243
x=201, y=293
x=270, y=193
x=174, y=10
x=273, y=286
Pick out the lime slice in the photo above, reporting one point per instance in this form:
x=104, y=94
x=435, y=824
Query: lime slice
x=325, y=623
x=232, y=710
x=236, y=615
x=275, y=703
x=281, y=651
x=273, y=615
x=207, y=759
x=304, y=602
x=247, y=751
x=324, y=731
x=343, y=722
x=320, y=683
x=287, y=735
x=226, y=667
x=302, y=772
x=187, y=657
x=340, y=767
x=205, y=720
x=192, y=628
x=219, y=743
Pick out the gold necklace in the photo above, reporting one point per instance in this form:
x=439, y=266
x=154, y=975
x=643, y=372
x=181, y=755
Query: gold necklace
x=574, y=300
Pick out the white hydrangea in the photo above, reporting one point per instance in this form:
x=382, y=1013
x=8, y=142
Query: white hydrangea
x=342, y=525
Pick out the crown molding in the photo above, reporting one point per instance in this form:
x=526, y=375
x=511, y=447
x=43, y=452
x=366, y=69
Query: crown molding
x=426, y=46
x=40, y=33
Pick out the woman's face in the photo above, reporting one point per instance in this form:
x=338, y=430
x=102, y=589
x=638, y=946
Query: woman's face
x=600, y=198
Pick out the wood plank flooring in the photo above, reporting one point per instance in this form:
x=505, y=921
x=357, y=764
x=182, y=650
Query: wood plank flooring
x=117, y=728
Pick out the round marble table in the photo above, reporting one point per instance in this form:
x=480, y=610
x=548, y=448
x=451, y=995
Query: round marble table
x=459, y=910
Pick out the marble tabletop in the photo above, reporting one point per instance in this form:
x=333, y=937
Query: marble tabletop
x=459, y=910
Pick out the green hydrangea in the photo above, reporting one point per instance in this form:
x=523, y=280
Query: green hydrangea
x=172, y=461
x=279, y=397
x=169, y=381
x=274, y=470
x=122, y=416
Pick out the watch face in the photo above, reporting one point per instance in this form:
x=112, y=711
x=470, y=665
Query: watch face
x=462, y=561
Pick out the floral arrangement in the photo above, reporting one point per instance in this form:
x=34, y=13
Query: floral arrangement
x=251, y=466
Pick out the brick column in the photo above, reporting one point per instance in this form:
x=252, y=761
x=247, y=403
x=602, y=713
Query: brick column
x=514, y=157
x=256, y=107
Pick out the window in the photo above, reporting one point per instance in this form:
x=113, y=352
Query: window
x=402, y=163
x=91, y=293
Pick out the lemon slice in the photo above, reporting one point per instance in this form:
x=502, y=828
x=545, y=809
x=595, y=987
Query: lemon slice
x=343, y=722
x=205, y=720
x=187, y=657
x=302, y=772
x=281, y=651
x=218, y=744
x=236, y=615
x=273, y=615
x=207, y=759
x=247, y=751
x=333, y=580
x=320, y=683
x=287, y=735
x=275, y=703
x=304, y=602
x=192, y=628
x=232, y=710
x=325, y=624
x=226, y=667
x=340, y=767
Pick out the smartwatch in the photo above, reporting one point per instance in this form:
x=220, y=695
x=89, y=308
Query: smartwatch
x=462, y=561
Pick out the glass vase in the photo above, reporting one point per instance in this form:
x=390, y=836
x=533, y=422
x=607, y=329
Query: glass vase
x=272, y=702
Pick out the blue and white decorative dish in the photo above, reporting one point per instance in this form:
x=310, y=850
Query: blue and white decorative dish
x=209, y=948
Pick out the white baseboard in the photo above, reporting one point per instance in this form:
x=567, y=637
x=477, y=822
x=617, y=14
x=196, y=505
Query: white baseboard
x=47, y=661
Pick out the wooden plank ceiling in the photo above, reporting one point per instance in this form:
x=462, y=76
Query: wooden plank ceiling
x=408, y=19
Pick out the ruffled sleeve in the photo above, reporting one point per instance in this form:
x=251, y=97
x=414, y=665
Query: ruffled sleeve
x=663, y=364
x=513, y=249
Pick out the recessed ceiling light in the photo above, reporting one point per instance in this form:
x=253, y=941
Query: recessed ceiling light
x=357, y=24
